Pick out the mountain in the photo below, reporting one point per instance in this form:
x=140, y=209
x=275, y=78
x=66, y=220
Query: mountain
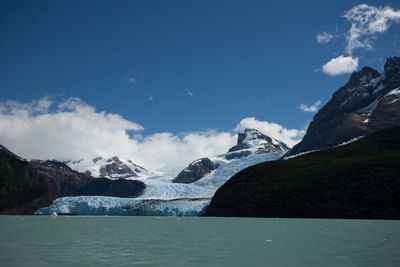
x=195, y=171
x=65, y=181
x=250, y=143
x=357, y=180
x=111, y=168
x=26, y=186
x=22, y=189
x=369, y=101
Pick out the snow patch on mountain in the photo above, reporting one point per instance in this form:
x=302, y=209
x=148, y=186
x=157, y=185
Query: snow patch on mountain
x=111, y=168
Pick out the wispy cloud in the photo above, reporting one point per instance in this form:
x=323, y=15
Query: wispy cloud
x=188, y=92
x=324, y=37
x=310, y=109
x=132, y=80
x=366, y=22
x=340, y=65
x=150, y=98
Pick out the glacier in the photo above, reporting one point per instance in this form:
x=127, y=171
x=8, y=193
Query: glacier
x=161, y=197
x=114, y=206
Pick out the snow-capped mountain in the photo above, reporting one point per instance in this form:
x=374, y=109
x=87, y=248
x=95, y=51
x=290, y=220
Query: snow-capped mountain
x=111, y=168
x=368, y=102
x=252, y=147
x=252, y=141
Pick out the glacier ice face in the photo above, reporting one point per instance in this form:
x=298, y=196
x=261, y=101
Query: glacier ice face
x=114, y=206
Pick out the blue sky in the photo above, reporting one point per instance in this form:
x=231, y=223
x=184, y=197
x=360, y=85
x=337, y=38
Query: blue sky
x=183, y=66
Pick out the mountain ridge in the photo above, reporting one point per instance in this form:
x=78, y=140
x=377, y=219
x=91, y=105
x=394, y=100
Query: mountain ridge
x=368, y=102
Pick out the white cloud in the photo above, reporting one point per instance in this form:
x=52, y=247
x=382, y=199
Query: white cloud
x=75, y=130
x=277, y=131
x=150, y=98
x=189, y=92
x=340, y=65
x=312, y=109
x=366, y=22
x=324, y=37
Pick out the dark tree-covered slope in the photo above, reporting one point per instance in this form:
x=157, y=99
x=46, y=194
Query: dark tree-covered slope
x=358, y=180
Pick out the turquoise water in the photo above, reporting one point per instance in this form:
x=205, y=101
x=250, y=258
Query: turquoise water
x=189, y=241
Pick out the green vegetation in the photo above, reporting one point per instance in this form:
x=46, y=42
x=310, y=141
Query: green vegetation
x=358, y=180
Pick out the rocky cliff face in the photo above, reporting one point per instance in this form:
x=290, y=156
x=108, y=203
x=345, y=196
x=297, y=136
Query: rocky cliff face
x=368, y=102
x=195, y=171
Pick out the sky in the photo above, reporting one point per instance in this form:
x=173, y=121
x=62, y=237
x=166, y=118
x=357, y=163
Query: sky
x=166, y=82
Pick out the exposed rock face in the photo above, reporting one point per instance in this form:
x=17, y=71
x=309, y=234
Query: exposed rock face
x=252, y=141
x=195, y=171
x=368, y=102
x=116, y=168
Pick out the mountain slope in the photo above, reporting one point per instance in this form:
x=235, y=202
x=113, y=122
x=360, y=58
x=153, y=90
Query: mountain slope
x=358, y=180
x=368, y=102
x=22, y=189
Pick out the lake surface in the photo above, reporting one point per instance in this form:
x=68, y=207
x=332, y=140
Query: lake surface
x=195, y=241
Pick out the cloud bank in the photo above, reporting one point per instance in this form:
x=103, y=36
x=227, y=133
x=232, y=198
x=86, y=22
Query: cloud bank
x=340, y=65
x=73, y=129
x=311, y=109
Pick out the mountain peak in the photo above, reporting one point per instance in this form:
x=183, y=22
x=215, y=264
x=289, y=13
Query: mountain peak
x=362, y=77
x=253, y=141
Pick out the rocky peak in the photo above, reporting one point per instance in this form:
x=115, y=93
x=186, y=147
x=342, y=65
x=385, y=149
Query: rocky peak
x=195, y=171
x=362, y=77
x=253, y=141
